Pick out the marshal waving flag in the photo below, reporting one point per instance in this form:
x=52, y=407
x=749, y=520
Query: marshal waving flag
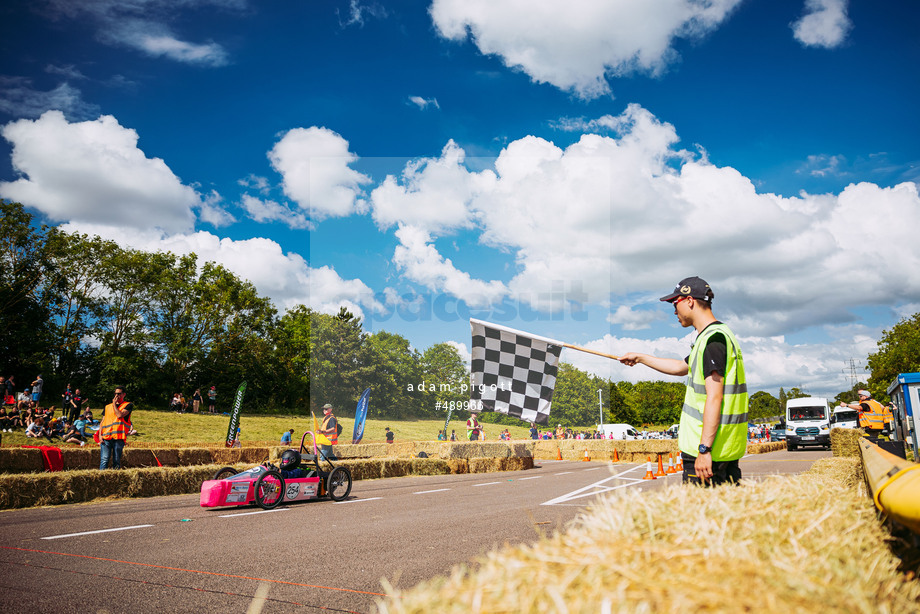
x=513, y=372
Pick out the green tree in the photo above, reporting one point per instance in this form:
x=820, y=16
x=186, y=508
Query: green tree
x=78, y=298
x=619, y=410
x=291, y=357
x=235, y=325
x=656, y=402
x=394, y=367
x=25, y=296
x=442, y=366
x=898, y=352
x=339, y=362
x=575, y=398
x=191, y=313
x=764, y=405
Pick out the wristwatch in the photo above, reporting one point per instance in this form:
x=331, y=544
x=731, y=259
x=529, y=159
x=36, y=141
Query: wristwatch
x=704, y=449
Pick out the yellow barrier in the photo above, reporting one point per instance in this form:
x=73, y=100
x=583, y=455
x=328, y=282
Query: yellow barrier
x=894, y=483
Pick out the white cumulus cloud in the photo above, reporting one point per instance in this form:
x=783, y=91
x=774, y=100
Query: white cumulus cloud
x=576, y=44
x=431, y=193
x=93, y=171
x=314, y=164
x=420, y=261
x=628, y=216
x=824, y=24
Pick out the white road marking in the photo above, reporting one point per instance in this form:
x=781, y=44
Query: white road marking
x=277, y=509
x=599, y=488
x=425, y=492
x=137, y=526
x=486, y=484
x=533, y=477
x=357, y=500
x=564, y=473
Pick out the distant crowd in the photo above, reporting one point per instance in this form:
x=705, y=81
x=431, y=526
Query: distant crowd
x=195, y=402
x=28, y=411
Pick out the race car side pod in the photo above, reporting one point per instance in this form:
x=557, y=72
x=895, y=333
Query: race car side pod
x=894, y=484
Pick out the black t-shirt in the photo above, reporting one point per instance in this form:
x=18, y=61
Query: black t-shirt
x=715, y=354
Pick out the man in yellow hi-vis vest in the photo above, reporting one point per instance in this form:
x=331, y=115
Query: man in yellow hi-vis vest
x=714, y=419
x=113, y=429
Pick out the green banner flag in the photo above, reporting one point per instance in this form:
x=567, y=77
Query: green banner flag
x=235, y=416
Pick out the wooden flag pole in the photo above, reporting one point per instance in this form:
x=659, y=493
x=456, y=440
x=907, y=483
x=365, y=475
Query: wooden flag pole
x=581, y=349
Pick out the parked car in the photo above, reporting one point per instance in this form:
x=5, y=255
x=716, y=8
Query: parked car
x=778, y=433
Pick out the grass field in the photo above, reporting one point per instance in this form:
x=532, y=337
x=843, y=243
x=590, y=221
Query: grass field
x=163, y=426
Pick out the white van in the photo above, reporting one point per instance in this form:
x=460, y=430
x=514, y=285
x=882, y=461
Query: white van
x=618, y=431
x=845, y=418
x=808, y=423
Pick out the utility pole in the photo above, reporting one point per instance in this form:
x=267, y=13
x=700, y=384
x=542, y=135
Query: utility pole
x=850, y=372
x=600, y=401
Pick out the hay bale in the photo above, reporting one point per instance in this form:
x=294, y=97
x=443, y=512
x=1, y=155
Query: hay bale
x=193, y=456
x=365, y=469
x=429, y=466
x=844, y=470
x=395, y=467
x=86, y=457
x=807, y=540
x=361, y=450
x=845, y=442
x=763, y=448
x=507, y=463
x=21, y=460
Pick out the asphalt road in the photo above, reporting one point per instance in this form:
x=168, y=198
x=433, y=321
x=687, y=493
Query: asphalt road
x=167, y=554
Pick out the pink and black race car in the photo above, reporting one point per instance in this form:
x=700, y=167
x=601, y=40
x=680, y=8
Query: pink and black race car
x=267, y=486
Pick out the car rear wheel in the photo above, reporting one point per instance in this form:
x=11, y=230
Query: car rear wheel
x=224, y=472
x=269, y=490
x=338, y=484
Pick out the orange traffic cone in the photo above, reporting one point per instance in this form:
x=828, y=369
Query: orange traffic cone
x=616, y=457
x=648, y=470
x=558, y=454
x=660, y=473
x=680, y=464
x=671, y=468
x=586, y=458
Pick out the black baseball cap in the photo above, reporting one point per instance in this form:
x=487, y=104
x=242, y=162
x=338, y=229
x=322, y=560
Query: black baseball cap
x=691, y=286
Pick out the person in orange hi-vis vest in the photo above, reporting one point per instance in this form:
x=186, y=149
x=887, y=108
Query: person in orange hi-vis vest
x=330, y=432
x=873, y=416
x=113, y=429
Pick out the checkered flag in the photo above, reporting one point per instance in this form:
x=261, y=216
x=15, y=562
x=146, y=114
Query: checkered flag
x=513, y=373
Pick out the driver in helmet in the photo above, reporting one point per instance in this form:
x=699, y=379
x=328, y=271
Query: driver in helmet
x=290, y=465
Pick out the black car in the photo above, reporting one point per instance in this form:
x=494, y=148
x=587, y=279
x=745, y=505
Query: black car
x=778, y=433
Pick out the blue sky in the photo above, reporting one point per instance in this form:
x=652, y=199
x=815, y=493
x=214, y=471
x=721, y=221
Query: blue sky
x=551, y=166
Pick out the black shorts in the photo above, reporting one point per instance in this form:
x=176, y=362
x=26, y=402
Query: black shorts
x=722, y=471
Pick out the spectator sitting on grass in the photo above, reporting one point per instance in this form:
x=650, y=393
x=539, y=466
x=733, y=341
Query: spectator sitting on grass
x=79, y=425
x=72, y=435
x=286, y=437
x=36, y=428
x=6, y=424
x=39, y=429
x=57, y=428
